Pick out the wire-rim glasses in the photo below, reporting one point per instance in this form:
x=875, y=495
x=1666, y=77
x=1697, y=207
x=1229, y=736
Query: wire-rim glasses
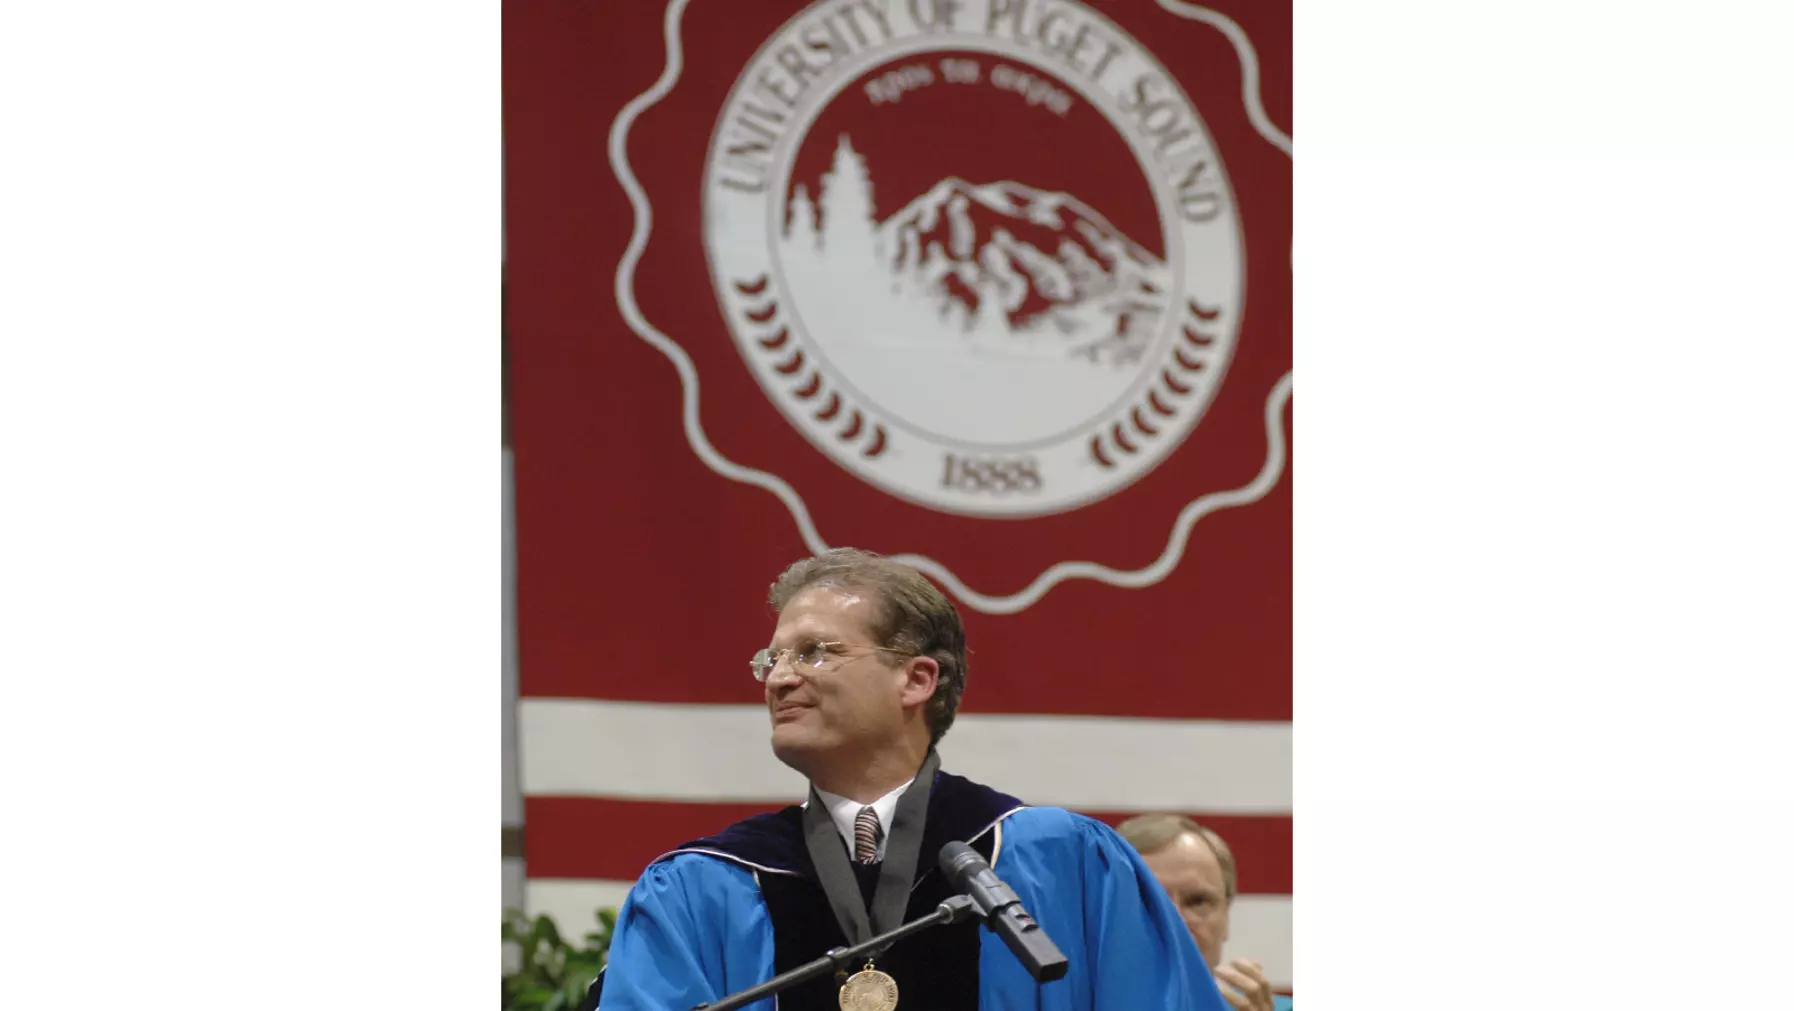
x=812, y=655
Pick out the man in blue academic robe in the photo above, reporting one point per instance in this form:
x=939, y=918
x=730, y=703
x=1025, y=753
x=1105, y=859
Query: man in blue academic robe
x=863, y=677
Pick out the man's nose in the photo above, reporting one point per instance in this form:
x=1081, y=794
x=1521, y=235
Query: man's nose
x=784, y=675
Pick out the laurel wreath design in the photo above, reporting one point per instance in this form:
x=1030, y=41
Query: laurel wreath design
x=1174, y=389
x=783, y=345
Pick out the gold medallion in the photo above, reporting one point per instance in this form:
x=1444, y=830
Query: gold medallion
x=869, y=990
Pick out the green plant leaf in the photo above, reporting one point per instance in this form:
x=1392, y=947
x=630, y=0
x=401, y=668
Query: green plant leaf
x=553, y=974
x=578, y=982
x=547, y=931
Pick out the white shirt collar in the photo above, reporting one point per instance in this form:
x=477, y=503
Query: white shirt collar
x=844, y=810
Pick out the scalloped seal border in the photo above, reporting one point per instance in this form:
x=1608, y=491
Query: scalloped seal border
x=1276, y=449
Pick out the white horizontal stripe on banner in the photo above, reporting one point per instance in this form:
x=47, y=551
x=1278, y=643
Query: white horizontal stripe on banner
x=651, y=750
x=1259, y=929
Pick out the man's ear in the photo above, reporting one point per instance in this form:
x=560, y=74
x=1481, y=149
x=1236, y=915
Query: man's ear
x=921, y=676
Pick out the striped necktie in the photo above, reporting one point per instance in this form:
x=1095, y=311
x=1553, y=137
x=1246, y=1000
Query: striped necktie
x=866, y=832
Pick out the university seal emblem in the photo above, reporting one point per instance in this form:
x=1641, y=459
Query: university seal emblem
x=983, y=254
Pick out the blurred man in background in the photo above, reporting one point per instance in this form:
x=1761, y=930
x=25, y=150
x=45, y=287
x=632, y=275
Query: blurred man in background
x=1196, y=868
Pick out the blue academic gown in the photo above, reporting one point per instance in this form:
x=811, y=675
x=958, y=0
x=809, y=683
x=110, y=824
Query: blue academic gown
x=696, y=927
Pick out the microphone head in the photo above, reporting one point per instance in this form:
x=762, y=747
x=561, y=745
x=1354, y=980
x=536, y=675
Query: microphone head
x=958, y=861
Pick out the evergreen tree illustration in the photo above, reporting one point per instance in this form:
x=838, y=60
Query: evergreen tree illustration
x=801, y=228
x=848, y=222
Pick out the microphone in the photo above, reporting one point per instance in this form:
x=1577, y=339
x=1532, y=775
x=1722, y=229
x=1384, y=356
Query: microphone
x=1002, y=909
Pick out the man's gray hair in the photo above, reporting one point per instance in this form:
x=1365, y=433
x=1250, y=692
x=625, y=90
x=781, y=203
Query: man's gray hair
x=1150, y=833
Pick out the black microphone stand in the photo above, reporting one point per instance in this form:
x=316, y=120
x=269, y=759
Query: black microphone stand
x=954, y=910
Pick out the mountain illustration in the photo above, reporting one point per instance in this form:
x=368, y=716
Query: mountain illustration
x=1047, y=260
x=998, y=261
